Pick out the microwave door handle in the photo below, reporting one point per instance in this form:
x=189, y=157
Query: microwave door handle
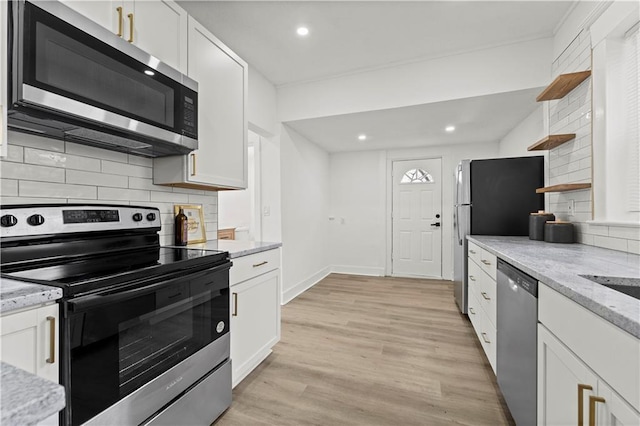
x=92, y=300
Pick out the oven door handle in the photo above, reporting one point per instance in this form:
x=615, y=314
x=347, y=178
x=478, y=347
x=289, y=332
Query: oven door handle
x=92, y=300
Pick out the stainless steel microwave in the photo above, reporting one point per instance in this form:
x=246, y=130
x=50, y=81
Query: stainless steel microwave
x=72, y=79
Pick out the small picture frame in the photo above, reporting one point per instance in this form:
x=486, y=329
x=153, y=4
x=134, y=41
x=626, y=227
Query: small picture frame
x=195, y=219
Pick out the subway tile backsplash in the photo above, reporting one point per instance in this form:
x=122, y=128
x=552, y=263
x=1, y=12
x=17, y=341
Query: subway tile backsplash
x=571, y=162
x=39, y=170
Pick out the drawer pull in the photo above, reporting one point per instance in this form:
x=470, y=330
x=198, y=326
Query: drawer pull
x=486, y=262
x=472, y=278
x=52, y=340
x=472, y=252
x=472, y=312
x=120, y=19
x=592, y=408
x=235, y=305
x=581, y=389
x=484, y=295
x=484, y=337
x=130, y=16
x=260, y=264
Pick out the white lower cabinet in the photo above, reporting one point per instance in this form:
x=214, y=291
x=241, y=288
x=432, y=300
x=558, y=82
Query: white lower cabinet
x=580, y=357
x=482, y=299
x=561, y=375
x=255, y=310
x=29, y=340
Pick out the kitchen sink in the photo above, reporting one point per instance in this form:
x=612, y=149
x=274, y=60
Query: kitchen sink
x=628, y=286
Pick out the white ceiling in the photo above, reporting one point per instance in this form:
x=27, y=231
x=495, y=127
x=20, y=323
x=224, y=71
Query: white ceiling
x=352, y=36
x=477, y=120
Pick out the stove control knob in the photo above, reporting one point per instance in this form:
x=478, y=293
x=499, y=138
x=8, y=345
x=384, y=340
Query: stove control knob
x=8, y=220
x=137, y=217
x=151, y=217
x=35, y=220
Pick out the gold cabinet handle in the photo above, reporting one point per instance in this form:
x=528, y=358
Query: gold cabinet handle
x=581, y=389
x=472, y=278
x=486, y=262
x=592, y=408
x=193, y=164
x=484, y=295
x=130, y=16
x=484, y=337
x=260, y=264
x=472, y=312
x=52, y=340
x=235, y=305
x=472, y=252
x=120, y=21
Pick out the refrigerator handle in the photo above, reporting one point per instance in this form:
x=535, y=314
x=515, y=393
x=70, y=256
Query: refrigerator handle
x=458, y=171
x=455, y=211
x=456, y=218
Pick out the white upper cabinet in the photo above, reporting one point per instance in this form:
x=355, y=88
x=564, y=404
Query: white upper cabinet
x=221, y=158
x=159, y=27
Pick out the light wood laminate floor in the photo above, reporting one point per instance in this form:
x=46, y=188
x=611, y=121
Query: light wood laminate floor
x=372, y=351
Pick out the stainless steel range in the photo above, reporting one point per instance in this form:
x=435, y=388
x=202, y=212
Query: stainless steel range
x=144, y=329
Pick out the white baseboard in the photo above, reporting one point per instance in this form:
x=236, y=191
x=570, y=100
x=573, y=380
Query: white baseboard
x=358, y=270
x=301, y=287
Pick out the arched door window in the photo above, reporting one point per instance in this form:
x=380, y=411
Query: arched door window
x=416, y=176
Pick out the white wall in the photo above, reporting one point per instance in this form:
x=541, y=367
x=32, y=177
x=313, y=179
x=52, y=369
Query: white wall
x=262, y=108
x=357, y=205
x=39, y=170
x=529, y=131
x=360, y=190
x=305, y=208
x=497, y=70
x=261, y=104
x=235, y=208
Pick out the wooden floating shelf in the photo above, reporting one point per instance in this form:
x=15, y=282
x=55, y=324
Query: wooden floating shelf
x=551, y=141
x=563, y=187
x=562, y=85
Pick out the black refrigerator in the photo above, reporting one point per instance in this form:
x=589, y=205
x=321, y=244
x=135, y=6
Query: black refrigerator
x=492, y=197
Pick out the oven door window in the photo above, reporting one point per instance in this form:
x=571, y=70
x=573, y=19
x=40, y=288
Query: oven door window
x=61, y=59
x=118, y=347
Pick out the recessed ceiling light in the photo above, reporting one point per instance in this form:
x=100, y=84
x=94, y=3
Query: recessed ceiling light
x=302, y=31
x=362, y=137
x=149, y=72
x=450, y=129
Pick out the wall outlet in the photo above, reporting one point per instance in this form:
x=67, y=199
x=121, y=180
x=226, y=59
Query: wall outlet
x=571, y=207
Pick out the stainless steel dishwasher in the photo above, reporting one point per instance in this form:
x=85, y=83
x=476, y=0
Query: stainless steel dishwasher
x=517, y=338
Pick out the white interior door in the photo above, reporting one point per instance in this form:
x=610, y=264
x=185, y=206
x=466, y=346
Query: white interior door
x=416, y=218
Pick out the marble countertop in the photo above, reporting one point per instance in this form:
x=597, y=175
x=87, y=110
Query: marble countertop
x=17, y=294
x=560, y=265
x=26, y=398
x=237, y=248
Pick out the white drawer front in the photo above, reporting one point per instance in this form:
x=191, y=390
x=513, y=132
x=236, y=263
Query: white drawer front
x=488, y=296
x=475, y=314
x=488, y=263
x=474, y=252
x=247, y=267
x=488, y=340
x=475, y=279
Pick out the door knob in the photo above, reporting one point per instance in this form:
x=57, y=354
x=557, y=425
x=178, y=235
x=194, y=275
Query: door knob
x=437, y=224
